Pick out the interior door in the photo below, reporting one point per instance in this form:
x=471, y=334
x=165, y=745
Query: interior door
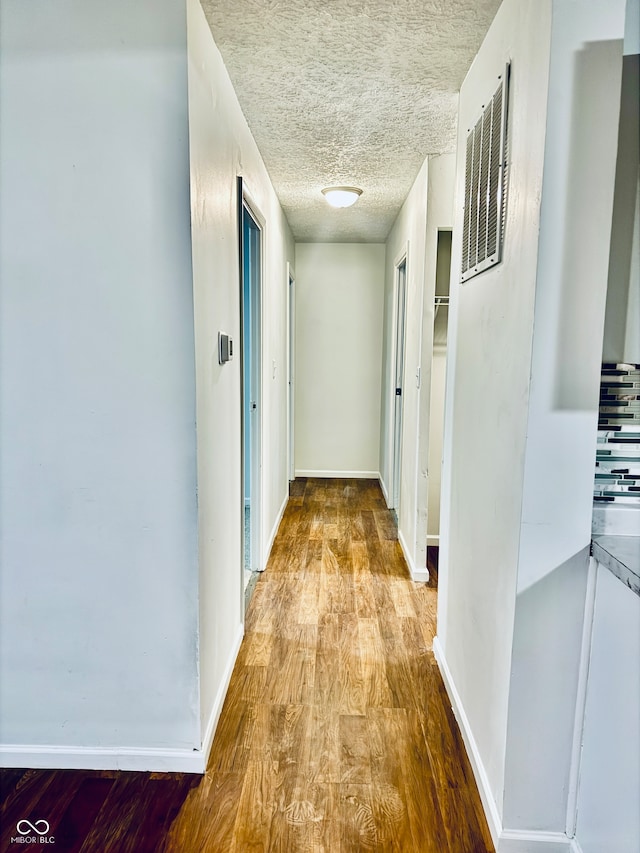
x=398, y=390
x=292, y=341
x=251, y=264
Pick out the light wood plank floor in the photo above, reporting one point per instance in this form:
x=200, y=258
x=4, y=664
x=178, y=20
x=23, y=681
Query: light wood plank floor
x=336, y=734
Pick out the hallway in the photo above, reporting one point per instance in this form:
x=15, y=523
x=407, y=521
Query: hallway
x=336, y=734
x=461, y=344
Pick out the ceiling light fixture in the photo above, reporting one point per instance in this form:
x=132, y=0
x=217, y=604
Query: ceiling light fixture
x=341, y=196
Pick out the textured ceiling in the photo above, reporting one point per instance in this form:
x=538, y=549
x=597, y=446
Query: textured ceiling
x=353, y=92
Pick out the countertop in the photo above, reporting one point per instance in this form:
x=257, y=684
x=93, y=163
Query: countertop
x=621, y=555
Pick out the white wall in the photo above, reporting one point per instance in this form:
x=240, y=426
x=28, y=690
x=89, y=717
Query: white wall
x=632, y=27
x=545, y=672
x=339, y=307
x=436, y=436
x=622, y=320
x=608, y=813
x=580, y=158
x=521, y=412
x=407, y=235
x=573, y=260
x=99, y=577
x=221, y=148
x=428, y=206
x=488, y=375
x=632, y=330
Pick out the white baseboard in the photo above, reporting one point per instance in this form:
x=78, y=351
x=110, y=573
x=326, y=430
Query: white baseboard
x=274, y=531
x=488, y=802
x=49, y=757
x=417, y=575
x=505, y=840
x=45, y=757
x=355, y=475
x=434, y=540
x=385, y=493
x=216, y=710
x=516, y=841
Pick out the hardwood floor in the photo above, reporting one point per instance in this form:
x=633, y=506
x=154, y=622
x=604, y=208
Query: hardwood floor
x=92, y=811
x=336, y=735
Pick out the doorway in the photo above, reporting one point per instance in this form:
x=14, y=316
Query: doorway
x=438, y=377
x=251, y=314
x=401, y=293
x=291, y=371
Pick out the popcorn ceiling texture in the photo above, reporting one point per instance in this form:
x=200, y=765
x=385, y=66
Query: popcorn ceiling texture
x=348, y=92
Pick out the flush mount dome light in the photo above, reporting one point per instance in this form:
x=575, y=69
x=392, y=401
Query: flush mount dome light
x=341, y=196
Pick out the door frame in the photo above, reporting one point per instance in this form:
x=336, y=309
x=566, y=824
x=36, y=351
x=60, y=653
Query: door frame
x=396, y=464
x=291, y=368
x=246, y=201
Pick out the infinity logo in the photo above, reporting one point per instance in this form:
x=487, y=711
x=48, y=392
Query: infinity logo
x=32, y=827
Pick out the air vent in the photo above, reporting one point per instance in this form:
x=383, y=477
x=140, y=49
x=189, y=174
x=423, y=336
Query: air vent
x=485, y=185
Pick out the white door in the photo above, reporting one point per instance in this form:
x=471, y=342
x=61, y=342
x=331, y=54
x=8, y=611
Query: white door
x=251, y=373
x=398, y=388
x=292, y=364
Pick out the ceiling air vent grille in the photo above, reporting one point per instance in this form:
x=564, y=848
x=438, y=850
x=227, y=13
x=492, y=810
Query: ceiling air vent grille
x=485, y=185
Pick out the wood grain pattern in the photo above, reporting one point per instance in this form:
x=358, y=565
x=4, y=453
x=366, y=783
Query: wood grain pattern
x=336, y=735
x=93, y=812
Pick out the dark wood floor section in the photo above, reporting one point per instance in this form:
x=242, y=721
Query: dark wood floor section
x=336, y=735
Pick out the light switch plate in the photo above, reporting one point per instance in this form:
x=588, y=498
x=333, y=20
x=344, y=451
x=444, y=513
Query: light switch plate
x=225, y=348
